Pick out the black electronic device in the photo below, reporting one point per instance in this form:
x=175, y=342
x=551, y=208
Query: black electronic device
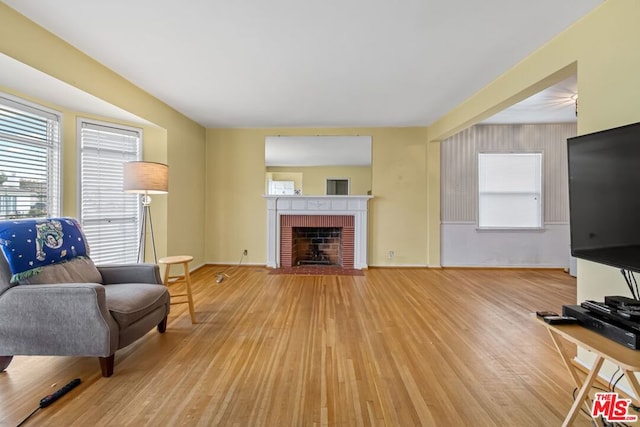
x=546, y=313
x=611, y=329
x=632, y=315
x=622, y=302
x=599, y=308
x=604, y=179
x=49, y=399
x=629, y=319
x=560, y=320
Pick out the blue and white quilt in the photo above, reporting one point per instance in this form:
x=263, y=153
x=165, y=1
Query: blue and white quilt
x=30, y=244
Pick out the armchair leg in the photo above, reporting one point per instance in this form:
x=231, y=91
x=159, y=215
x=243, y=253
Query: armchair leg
x=162, y=326
x=106, y=365
x=4, y=362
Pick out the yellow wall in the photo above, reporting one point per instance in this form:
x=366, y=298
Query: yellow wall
x=236, y=211
x=154, y=149
x=603, y=49
x=178, y=140
x=406, y=162
x=217, y=175
x=314, y=178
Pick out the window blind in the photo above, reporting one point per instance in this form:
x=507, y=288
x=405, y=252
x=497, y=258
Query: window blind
x=510, y=190
x=109, y=216
x=29, y=160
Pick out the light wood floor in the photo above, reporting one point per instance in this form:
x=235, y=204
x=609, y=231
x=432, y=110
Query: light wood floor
x=396, y=347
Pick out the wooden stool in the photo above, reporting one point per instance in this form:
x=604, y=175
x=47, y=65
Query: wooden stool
x=183, y=278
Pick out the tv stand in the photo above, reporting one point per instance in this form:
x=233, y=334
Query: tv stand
x=627, y=359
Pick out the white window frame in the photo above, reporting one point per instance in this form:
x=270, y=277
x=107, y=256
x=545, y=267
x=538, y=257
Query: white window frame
x=51, y=176
x=510, y=191
x=113, y=237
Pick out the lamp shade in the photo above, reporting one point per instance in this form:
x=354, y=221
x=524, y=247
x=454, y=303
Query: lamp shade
x=146, y=177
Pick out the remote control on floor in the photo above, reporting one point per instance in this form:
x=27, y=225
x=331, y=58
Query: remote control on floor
x=48, y=400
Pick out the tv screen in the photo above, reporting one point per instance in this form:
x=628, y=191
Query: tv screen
x=604, y=196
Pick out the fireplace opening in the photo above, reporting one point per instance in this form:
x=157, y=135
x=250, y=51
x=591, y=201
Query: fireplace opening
x=317, y=246
x=339, y=254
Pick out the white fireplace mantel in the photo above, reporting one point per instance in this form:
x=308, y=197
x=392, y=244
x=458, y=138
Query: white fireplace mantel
x=317, y=205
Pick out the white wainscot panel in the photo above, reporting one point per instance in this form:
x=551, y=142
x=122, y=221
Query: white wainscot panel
x=465, y=246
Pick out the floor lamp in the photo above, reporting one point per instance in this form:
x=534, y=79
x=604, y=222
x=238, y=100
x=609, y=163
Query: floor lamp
x=146, y=178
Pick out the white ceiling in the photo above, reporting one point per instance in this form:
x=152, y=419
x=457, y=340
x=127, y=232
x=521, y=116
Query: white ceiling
x=288, y=63
x=555, y=104
x=30, y=81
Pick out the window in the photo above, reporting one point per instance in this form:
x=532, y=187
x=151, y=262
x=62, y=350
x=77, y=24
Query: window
x=510, y=190
x=29, y=160
x=337, y=187
x=109, y=216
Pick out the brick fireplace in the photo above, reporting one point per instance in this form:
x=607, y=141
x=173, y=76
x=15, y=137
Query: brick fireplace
x=317, y=239
x=347, y=213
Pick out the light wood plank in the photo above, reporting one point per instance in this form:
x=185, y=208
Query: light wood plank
x=395, y=347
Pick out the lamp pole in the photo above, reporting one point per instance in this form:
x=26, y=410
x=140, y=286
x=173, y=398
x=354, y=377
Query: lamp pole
x=146, y=216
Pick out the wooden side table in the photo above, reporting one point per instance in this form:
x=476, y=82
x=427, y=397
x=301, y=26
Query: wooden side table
x=185, y=278
x=604, y=349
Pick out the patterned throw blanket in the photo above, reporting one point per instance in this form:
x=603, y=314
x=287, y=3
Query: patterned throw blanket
x=30, y=244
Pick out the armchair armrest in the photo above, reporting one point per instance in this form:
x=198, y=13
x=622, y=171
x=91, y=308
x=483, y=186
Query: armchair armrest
x=130, y=273
x=57, y=319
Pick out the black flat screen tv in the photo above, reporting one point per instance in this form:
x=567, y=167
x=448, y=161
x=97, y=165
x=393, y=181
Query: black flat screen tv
x=604, y=196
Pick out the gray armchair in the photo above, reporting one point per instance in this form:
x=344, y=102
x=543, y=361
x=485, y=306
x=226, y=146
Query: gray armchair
x=73, y=308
